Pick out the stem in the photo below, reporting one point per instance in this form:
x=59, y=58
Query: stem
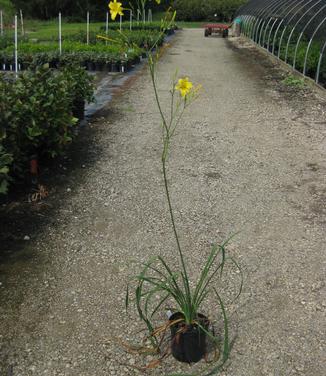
x=152, y=70
x=166, y=143
x=164, y=157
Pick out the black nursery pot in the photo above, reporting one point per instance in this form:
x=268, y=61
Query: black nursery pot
x=78, y=109
x=188, y=342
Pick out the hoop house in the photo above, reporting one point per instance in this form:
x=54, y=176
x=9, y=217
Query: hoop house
x=292, y=30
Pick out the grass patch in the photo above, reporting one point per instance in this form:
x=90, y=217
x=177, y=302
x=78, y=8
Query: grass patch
x=294, y=82
x=191, y=25
x=50, y=29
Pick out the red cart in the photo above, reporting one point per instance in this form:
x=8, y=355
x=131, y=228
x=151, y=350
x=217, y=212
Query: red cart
x=222, y=29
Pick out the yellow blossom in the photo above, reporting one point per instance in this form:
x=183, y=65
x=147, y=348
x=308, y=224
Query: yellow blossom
x=115, y=9
x=184, y=86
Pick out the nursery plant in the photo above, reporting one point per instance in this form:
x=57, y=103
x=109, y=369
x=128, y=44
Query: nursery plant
x=5, y=162
x=161, y=284
x=36, y=116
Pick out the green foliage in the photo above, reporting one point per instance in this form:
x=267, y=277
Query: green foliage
x=196, y=10
x=5, y=162
x=36, y=113
x=289, y=51
x=160, y=283
x=294, y=82
x=8, y=10
x=35, y=54
x=75, y=10
x=119, y=40
x=123, y=47
x=79, y=83
x=8, y=40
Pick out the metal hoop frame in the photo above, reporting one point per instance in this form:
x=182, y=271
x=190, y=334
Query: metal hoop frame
x=309, y=45
x=289, y=21
x=278, y=24
x=289, y=6
x=272, y=10
x=302, y=33
x=319, y=62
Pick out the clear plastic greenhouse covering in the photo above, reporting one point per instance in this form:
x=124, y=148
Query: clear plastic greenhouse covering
x=292, y=30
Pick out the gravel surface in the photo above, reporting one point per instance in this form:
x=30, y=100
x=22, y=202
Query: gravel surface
x=250, y=157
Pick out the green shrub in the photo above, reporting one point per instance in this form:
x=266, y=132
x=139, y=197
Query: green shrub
x=5, y=162
x=37, y=54
x=198, y=10
x=8, y=10
x=36, y=113
x=79, y=83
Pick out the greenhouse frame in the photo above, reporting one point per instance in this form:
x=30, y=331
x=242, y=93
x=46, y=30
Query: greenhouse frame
x=292, y=30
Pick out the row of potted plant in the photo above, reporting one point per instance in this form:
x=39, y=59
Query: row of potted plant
x=140, y=38
x=92, y=61
x=155, y=25
x=92, y=57
x=38, y=116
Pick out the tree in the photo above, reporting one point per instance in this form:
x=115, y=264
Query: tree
x=198, y=10
x=76, y=9
x=8, y=10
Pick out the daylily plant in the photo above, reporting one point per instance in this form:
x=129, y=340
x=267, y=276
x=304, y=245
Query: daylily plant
x=115, y=9
x=158, y=280
x=184, y=86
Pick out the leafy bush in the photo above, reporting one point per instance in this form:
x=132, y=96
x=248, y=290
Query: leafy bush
x=5, y=162
x=37, y=54
x=8, y=40
x=197, y=10
x=74, y=10
x=312, y=59
x=36, y=113
x=79, y=83
x=8, y=10
x=153, y=26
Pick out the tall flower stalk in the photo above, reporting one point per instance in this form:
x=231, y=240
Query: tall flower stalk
x=159, y=283
x=169, y=126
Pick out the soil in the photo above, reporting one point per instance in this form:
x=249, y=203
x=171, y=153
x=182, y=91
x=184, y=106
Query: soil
x=248, y=158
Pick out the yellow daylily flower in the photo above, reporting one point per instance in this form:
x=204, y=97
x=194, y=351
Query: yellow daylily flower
x=115, y=9
x=184, y=86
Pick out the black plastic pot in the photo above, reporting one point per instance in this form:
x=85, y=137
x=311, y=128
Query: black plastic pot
x=78, y=109
x=107, y=67
x=90, y=66
x=115, y=67
x=99, y=67
x=34, y=170
x=188, y=342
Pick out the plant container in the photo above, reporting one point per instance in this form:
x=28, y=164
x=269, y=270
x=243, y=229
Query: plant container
x=108, y=67
x=188, y=342
x=78, y=108
x=115, y=67
x=90, y=66
x=34, y=169
x=99, y=67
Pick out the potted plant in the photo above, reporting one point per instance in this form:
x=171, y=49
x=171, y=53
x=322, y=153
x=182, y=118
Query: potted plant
x=81, y=87
x=161, y=284
x=5, y=162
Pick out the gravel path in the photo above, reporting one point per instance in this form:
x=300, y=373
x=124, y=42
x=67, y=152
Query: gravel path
x=250, y=157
